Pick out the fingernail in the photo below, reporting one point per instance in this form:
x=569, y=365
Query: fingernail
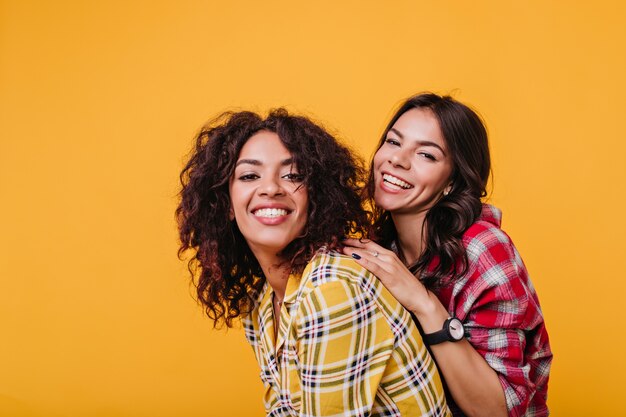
x=356, y=256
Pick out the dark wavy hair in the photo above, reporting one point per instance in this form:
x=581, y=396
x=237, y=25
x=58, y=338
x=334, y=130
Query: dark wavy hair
x=224, y=271
x=444, y=256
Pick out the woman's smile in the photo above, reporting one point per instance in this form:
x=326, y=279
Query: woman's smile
x=394, y=184
x=271, y=214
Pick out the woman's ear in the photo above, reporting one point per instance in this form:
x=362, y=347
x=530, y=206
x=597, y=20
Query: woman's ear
x=231, y=214
x=447, y=190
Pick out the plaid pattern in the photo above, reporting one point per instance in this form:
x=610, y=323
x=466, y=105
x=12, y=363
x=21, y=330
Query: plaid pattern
x=500, y=311
x=345, y=347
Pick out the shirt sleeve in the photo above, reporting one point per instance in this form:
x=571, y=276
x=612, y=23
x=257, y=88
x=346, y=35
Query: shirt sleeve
x=500, y=311
x=345, y=349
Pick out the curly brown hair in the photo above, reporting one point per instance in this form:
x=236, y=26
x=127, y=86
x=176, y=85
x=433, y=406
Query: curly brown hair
x=224, y=270
x=444, y=258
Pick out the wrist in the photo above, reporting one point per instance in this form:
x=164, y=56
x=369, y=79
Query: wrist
x=421, y=301
x=431, y=314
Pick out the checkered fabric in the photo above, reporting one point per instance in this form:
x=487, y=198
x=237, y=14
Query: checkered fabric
x=345, y=347
x=500, y=310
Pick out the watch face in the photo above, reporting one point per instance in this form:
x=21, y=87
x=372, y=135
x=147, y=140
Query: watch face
x=456, y=329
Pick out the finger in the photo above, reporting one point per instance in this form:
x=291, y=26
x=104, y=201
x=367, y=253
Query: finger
x=372, y=263
x=378, y=251
x=352, y=251
x=359, y=253
x=347, y=250
x=375, y=250
x=367, y=263
x=384, y=271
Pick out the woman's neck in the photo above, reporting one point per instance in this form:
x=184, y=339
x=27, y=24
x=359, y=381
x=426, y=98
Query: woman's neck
x=410, y=235
x=276, y=272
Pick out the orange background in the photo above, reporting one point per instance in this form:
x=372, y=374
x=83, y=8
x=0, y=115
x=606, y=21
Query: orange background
x=99, y=102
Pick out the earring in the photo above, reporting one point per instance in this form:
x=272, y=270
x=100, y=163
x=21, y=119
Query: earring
x=447, y=191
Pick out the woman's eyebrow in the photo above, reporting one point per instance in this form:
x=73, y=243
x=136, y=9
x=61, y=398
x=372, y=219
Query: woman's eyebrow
x=256, y=162
x=430, y=143
x=248, y=161
x=419, y=142
x=397, y=132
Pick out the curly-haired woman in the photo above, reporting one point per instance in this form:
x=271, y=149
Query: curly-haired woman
x=264, y=205
x=473, y=300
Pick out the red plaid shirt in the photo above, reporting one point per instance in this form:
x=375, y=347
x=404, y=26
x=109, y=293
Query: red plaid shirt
x=500, y=310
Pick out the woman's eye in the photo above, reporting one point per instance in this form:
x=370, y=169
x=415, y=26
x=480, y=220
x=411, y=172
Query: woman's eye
x=392, y=141
x=294, y=177
x=248, y=177
x=427, y=156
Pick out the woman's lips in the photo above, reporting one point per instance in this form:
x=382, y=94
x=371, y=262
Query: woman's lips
x=271, y=215
x=393, y=184
x=270, y=212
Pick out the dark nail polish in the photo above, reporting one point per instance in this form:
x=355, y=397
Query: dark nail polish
x=356, y=256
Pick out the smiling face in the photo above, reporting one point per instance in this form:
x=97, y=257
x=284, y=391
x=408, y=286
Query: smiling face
x=412, y=168
x=268, y=197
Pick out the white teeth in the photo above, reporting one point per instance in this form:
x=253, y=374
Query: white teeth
x=396, y=181
x=270, y=212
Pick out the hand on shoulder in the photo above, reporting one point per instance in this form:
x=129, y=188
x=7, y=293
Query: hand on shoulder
x=390, y=270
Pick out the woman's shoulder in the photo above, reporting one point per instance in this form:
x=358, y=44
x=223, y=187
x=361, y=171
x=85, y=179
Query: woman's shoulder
x=486, y=237
x=329, y=266
x=496, y=271
x=332, y=278
x=330, y=270
x=489, y=222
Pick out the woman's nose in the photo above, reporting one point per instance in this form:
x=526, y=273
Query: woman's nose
x=270, y=187
x=400, y=159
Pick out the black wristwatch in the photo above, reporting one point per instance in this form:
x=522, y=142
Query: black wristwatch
x=452, y=331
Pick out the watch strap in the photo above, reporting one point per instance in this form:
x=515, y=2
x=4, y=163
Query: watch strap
x=440, y=336
x=437, y=337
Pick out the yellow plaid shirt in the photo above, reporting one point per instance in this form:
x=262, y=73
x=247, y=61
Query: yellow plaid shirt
x=345, y=347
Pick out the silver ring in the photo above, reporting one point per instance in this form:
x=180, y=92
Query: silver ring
x=375, y=254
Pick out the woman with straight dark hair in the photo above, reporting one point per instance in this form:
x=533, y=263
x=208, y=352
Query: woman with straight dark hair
x=265, y=204
x=440, y=251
